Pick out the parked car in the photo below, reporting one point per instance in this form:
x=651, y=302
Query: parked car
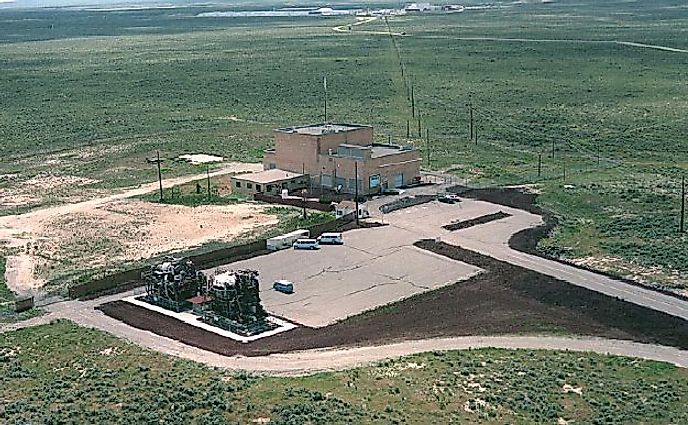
x=306, y=244
x=331, y=239
x=448, y=198
x=283, y=286
x=393, y=191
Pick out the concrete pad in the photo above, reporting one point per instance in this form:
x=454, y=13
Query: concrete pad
x=192, y=319
x=373, y=268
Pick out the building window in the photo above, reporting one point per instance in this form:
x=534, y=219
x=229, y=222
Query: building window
x=272, y=166
x=249, y=185
x=238, y=184
x=269, y=188
x=258, y=188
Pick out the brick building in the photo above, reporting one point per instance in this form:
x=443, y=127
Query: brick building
x=271, y=182
x=329, y=153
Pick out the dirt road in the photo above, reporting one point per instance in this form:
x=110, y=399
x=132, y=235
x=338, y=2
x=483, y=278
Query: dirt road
x=311, y=361
x=344, y=28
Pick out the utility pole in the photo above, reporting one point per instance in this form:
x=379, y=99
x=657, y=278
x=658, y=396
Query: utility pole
x=470, y=110
x=683, y=203
x=157, y=161
x=413, y=103
x=539, y=164
x=356, y=189
x=598, y=154
x=427, y=144
x=207, y=171
x=419, y=130
x=475, y=130
x=303, y=172
x=408, y=129
x=325, y=87
x=303, y=199
x=564, y=162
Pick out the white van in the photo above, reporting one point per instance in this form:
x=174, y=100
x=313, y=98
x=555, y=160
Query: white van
x=306, y=244
x=331, y=239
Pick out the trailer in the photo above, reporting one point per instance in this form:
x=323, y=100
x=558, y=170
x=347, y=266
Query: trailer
x=287, y=241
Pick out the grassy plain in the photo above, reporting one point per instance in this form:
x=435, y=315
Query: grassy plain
x=92, y=94
x=92, y=377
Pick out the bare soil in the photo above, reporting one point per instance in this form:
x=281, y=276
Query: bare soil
x=108, y=229
x=131, y=230
x=506, y=299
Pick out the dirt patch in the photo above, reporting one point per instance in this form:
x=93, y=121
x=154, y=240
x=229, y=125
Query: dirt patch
x=52, y=181
x=506, y=299
x=128, y=230
x=21, y=269
x=476, y=221
x=200, y=158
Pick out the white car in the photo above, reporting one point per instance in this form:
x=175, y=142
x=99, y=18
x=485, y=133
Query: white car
x=331, y=239
x=306, y=244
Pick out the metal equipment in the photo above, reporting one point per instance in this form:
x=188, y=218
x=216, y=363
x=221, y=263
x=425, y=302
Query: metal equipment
x=169, y=284
x=236, y=303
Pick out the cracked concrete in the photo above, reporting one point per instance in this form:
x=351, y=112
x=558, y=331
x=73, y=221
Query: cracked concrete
x=374, y=267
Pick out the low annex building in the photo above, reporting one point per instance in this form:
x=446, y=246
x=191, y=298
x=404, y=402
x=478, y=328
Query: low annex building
x=271, y=182
x=330, y=153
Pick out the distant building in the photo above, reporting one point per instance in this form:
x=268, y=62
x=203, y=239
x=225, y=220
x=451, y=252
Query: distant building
x=418, y=7
x=271, y=182
x=329, y=154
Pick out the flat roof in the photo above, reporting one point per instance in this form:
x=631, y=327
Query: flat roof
x=321, y=129
x=378, y=150
x=268, y=176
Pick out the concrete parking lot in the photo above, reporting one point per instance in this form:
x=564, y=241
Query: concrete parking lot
x=380, y=265
x=374, y=267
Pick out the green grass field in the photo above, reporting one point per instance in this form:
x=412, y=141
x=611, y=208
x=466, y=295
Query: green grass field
x=90, y=377
x=93, y=94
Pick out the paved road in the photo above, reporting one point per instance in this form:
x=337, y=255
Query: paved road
x=492, y=239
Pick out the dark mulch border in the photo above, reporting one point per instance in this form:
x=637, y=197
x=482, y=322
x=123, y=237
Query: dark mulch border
x=483, y=219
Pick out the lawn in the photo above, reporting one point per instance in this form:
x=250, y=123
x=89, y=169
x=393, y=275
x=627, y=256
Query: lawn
x=92, y=377
x=86, y=104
